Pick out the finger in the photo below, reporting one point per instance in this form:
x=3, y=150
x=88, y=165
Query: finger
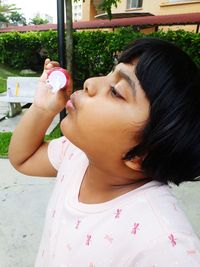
x=52, y=64
x=69, y=88
x=46, y=62
x=55, y=64
x=49, y=66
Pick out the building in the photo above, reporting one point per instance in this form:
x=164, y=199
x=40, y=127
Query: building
x=141, y=15
x=139, y=8
x=77, y=10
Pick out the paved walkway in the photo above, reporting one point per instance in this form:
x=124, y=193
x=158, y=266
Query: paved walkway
x=23, y=202
x=9, y=124
x=3, y=109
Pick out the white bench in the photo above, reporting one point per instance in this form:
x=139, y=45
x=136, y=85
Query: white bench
x=19, y=90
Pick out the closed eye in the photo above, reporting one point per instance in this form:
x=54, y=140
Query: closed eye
x=114, y=92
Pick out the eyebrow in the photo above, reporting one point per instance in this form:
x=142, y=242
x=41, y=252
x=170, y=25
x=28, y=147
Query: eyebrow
x=127, y=78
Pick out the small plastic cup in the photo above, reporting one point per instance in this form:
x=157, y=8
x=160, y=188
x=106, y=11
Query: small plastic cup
x=58, y=78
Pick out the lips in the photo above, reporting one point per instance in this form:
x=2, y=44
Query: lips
x=71, y=102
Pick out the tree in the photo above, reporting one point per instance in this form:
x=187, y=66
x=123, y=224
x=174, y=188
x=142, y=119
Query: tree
x=37, y=20
x=3, y=18
x=4, y=8
x=105, y=5
x=69, y=36
x=16, y=18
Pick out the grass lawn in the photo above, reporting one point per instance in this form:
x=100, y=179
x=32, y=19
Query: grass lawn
x=4, y=143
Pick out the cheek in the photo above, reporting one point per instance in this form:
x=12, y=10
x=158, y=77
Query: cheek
x=99, y=120
x=107, y=129
x=92, y=126
x=97, y=128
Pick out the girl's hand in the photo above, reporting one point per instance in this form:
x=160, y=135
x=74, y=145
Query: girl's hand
x=47, y=100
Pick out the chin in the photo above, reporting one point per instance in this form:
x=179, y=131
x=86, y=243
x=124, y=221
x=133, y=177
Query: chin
x=69, y=132
x=65, y=128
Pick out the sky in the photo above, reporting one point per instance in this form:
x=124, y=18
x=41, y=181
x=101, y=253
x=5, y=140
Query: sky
x=31, y=7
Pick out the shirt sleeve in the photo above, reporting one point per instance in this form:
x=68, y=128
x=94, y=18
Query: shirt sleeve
x=57, y=149
x=173, y=251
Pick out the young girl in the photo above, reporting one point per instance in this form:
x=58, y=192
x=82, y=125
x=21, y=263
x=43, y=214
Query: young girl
x=126, y=136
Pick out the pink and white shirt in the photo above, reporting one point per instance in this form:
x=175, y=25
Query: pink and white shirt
x=142, y=228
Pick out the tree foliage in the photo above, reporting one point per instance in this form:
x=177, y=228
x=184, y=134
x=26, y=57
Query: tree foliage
x=94, y=51
x=37, y=20
x=5, y=11
x=106, y=6
x=5, y=8
x=17, y=18
x=3, y=18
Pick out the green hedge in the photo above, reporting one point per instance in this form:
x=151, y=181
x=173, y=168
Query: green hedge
x=94, y=51
x=17, y=49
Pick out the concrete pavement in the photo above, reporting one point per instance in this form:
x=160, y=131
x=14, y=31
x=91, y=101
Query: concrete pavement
x=23, y=201
x=9, y=124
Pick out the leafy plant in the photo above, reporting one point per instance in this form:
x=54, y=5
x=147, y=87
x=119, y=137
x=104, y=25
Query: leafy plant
x=17, y=18
x=94, y=51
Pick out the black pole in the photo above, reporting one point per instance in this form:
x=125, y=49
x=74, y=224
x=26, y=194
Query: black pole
x=61, y=40
x=197, y=30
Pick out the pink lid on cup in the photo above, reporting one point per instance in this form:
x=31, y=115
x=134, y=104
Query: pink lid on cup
x=58, y=78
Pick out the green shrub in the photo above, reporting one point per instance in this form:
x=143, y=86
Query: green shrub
x=18, y=49
x=94, y=51
x=187, y=41
x=49, y=40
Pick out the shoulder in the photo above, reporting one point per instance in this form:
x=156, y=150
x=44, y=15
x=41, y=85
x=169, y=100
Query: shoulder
x=61, y=149
x=152, y=212
x=161, y=235
x=175, y=249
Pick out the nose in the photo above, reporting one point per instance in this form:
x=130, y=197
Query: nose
x=94, y=85
x=90, y=86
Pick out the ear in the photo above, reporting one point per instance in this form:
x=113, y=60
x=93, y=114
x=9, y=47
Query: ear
x=135, y=163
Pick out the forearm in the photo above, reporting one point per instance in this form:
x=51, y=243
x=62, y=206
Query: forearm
x=28, y=151
x=29, y=134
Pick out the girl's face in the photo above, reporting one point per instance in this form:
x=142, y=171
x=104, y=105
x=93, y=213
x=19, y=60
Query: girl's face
x=105, y=118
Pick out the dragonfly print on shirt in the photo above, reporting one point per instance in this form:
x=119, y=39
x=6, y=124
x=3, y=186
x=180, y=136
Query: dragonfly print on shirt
x=118, y=213
x=172, y=239
x=135, y=228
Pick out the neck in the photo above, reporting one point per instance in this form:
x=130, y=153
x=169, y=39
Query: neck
x=99, y=185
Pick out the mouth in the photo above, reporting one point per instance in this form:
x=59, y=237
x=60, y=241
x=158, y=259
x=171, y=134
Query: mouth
x=70, y=105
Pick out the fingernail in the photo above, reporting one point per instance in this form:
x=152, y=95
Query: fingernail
x=49, y=65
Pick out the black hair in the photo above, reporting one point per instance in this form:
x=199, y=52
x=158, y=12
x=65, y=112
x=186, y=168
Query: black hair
x=170, y=141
